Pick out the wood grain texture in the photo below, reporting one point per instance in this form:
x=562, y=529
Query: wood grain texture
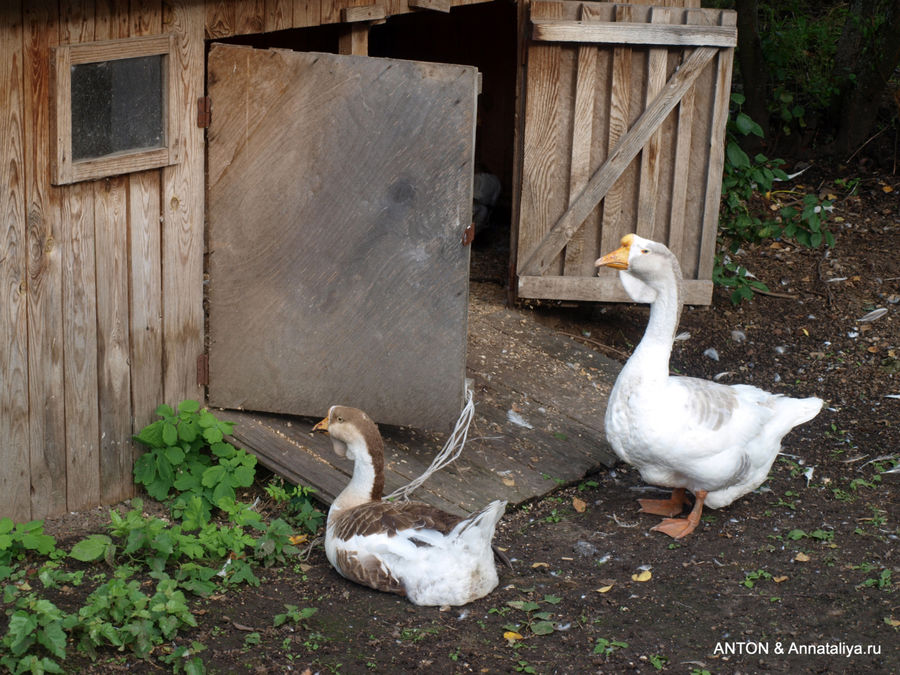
x=15, y=472
x=434, y=5
x=337, y=272
x=221, y=18
x=80, y=308
x=250, y=17
x=613, y=225
x=183, y=200
x=112, y=21
x=634, y=34
x=648, y=188
x=723, y=67
x=145, y=269
x=44, y=264
x=580, y=161
x=314, y=12
x=696, y=291
x=544, y=142
x=279, y=15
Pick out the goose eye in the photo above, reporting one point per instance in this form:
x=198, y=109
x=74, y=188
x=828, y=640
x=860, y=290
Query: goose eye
x=645, y=251
x=340, y=419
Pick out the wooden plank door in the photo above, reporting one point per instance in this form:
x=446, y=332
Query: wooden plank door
x=624, y=122
x=340, y=189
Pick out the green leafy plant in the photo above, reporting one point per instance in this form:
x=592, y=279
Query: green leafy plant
x=802, y=220
x=35, y=623
x=187, y=455
x=537, y=621
x=17, y=539
x=298, y=504
x=607, y=647
x=294, y=615
x=275, y=544
x=752, y=578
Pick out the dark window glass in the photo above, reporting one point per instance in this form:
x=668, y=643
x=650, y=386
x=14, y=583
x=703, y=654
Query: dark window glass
x=117, y=106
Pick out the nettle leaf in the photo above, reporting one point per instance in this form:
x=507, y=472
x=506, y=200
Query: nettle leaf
x=188, y=406
x=6, y=525
x=169, y=433
x=174, y=454
x=214, y=475
x=213, y=435
x=223, y=491
x=542, y=628
x=243, y=476
x=151, y=435
x=158, y=489
x=53, y=637
x=207, y=420
x=165, y=411
x=223, y=450
x=145, y=468
x=92, y=548
x=188, y=430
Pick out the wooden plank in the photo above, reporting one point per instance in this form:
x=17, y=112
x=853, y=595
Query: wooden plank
x=612, y=226
x=80, y=309
x=145, y=269
x=721, y=101
x=354, y=39
x=183, y=200
x=648, y=186
x=279, y=15
x=628, y=147
x=45, y=324
x=362, y=13
x=370, y=312
x=313, y=12
x=15, y=473
x=696, y=292
x=221, y=17
x=544, y=30
x=544, y=142
x=250, y=17
x=113, y=346
x=580, y=164
x=434, y=5
x=681, y=170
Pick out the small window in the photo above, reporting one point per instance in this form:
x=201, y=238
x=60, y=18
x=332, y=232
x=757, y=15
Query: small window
x=113, y=111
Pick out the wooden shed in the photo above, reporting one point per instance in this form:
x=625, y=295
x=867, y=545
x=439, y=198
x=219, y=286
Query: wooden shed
x=151, y=152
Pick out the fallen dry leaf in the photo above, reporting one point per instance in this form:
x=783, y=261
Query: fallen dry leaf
x=643, y=576
x=605, y=589
x=887, y=189
x=891, y=621
x=511, y=636
x=578, y=504
x=539, y=564
x=509, y=482
x=778, y=580
x=801, y=557
x=299, y=539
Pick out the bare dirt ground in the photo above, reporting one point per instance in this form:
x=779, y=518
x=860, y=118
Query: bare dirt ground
x=800, y=576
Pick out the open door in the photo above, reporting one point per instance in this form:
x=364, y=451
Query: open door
x=339, y=193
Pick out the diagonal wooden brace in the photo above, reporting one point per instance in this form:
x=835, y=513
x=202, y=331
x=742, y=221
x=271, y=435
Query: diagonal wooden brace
x=626, y=150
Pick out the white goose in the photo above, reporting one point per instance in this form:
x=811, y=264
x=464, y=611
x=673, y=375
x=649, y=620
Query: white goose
x=715, y=440
x=410, y=548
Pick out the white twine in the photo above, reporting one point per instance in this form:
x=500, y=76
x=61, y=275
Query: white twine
x=451, y=450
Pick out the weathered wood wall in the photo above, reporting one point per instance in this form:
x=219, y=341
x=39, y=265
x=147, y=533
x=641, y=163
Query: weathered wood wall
x=589, y=175
x=101, y=317
x=101, y=282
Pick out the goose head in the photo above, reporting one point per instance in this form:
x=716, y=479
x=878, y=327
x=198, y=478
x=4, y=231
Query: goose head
x=351, y=431
x=645, y=267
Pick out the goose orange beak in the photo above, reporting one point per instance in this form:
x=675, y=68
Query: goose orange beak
x=322, y=426
x=618, y=259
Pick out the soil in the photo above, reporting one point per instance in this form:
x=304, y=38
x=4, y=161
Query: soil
x=799, y=576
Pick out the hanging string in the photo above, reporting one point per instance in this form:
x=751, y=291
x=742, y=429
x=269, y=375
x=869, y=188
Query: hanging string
x=451, y=450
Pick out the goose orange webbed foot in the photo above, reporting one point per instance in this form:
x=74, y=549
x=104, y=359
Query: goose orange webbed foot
x=664, y=507
x=678, y=528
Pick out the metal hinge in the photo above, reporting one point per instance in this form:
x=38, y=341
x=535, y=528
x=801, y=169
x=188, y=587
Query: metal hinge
x=203, y=370
x=204, y=112
x=468, y=234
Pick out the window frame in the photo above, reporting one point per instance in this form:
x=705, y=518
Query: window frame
x=63, y=169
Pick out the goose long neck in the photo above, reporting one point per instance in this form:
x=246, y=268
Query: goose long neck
x=367, y=482
x=655, y=348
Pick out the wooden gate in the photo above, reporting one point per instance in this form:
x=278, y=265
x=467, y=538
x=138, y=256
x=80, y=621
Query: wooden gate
x=340, y=189
x=624, y=127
